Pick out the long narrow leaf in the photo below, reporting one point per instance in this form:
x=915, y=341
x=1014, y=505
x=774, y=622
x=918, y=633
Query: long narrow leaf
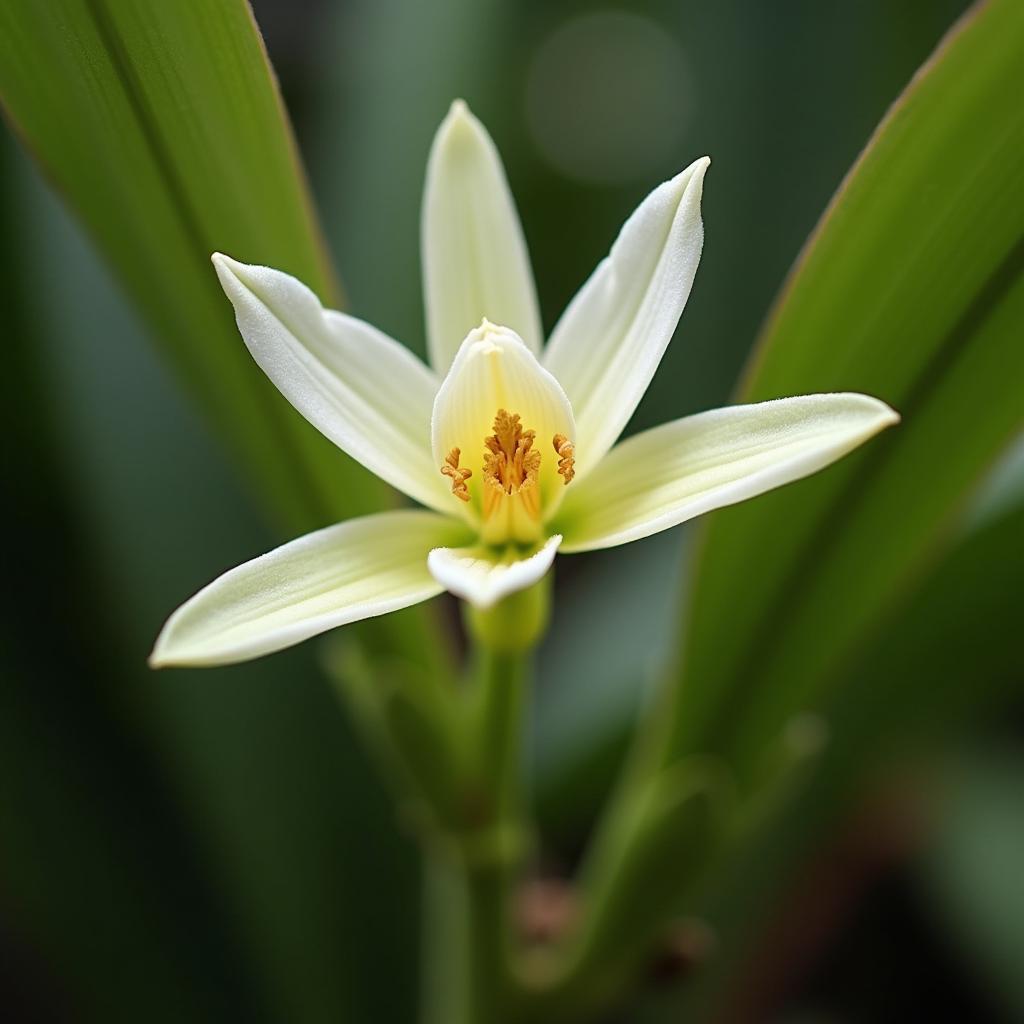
x=962, y=624
x=911, y=289
x=162, y=127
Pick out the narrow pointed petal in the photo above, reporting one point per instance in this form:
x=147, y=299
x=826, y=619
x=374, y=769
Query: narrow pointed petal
x=495, y=370
x=358, y=387
x=475, y=262
x=672, y=473
x=610, y=340
x=351, y=571
x=478, y=575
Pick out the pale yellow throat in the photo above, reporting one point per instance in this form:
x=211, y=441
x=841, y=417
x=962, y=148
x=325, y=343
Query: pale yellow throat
x=510, y=500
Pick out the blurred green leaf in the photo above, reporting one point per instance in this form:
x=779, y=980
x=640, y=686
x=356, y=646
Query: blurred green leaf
x=368, y=154
x=954, y=660
x=973, y=873
x=162, y=127
x=1002, y=490
x=249, y=773
x=588, y=694
x=911, y=289
x=108, y=913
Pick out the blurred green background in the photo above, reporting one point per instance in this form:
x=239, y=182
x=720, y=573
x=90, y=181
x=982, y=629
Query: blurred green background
x=215, y=845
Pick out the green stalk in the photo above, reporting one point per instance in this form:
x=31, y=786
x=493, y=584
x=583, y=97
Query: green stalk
x=469, y=881
x=454, y=757
x=498, y=733
x=494, y=838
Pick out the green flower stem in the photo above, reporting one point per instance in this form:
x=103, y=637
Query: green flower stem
x=453, y=756
x=469, y=881
x=497, y=733
x=494, y=838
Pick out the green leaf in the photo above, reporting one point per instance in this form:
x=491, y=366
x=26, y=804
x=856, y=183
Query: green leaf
x=972, y=871
x=186, y=151
x=588, y=694
x=261, y=794
x=911, y=289
x=954, y=661
x=101, y=887
x=162, y=127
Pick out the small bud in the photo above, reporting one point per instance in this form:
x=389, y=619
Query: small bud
x=515, y=623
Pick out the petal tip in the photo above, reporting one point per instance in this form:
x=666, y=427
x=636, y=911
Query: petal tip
x=687, y=187
x=222, y=261
x=884, y=414
x=459, y=121
x=230, y=272
x=461, y=133
x=490, y=337
x=694, y=175
x=163, y=655
x=158, y=657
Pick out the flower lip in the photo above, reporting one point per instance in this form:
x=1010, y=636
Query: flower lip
x=500, y=409
x=480, y=575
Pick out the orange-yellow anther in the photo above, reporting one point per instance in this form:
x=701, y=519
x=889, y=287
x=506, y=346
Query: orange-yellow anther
x=459, y=476
x=510, y=462
x=566, y=456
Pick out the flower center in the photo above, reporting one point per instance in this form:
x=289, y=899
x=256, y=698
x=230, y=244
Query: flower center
x=511, y=464
x=509, y=499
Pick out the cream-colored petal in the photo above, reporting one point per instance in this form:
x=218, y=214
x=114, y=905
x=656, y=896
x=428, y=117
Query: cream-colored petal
x=363, y=390
x=482, y=577
x=475, y=262
x=351, y=571
x=609, y=342
x=495, y=370
x=680, y=470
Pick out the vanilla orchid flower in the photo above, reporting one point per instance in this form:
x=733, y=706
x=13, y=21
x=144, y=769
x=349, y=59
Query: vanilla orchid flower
x=510, y=447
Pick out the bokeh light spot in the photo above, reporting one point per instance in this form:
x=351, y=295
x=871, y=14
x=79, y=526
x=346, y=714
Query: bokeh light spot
x=609, y=98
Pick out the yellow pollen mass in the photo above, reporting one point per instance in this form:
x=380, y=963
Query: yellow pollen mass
x=458, y=476
x=566, y=456
x=511, y=464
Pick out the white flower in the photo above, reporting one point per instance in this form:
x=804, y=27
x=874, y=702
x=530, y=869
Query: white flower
x=510, y=445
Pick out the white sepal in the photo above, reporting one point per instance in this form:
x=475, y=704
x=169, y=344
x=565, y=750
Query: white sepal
x=358, y=387
x=611, y=337
x=351, y=571
x=475, y=262
x=669, y=474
